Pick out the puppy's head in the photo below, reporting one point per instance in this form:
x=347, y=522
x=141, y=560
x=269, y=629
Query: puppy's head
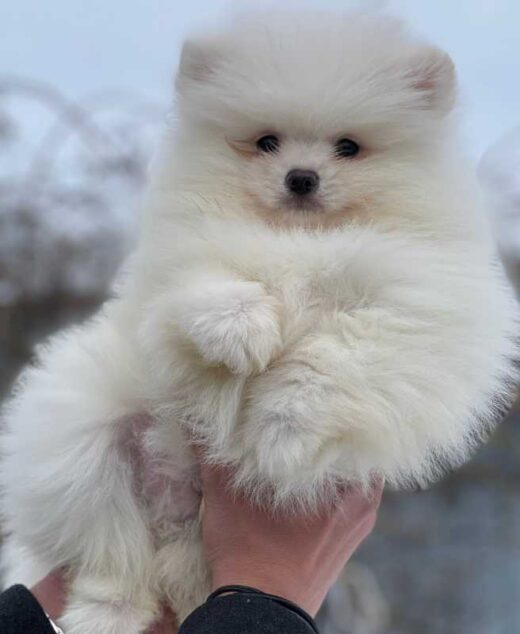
x=313, y=120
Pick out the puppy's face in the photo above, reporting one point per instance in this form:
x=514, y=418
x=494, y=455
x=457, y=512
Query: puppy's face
x=314, y=121
x=302, y=178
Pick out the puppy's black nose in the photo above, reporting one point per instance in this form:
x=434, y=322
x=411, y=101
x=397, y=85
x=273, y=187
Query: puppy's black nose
x=302, y=182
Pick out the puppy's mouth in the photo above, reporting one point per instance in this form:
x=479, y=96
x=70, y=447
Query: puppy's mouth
x=307, y=204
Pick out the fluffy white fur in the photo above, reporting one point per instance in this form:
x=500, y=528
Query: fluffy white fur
x=370, y=334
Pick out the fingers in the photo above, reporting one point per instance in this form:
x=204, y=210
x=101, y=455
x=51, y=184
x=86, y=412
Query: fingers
x=376, y=491
x=360, y=506
x=167, y=625
x=208, y=472
x=214, y=478
x=353, y=501
x=352, y=494
x=50, y=594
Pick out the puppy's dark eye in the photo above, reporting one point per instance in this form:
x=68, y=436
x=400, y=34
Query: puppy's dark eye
x=268, y=143
x=346, y=148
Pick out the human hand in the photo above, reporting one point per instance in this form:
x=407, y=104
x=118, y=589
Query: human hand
x=51, y=594
x=298, y=558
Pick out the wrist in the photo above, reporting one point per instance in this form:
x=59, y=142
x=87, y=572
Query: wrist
x=265, y=596
x=269, y=579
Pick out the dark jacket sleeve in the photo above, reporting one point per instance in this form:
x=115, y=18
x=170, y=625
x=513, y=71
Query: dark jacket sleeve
x=20, y=613
x=244, y=614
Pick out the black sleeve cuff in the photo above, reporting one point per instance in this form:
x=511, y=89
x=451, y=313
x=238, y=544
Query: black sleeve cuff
x=20, y=613
x=244, y=614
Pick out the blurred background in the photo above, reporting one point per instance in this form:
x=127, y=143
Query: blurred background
x=85, y=89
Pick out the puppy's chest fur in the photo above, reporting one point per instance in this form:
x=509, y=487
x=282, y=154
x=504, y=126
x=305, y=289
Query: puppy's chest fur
x=311, y=278
x=308, y=272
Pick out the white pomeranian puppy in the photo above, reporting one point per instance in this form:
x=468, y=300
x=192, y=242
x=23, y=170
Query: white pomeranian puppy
x=314, y=299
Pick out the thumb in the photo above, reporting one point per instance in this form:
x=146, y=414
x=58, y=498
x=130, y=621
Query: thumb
x=50, y=594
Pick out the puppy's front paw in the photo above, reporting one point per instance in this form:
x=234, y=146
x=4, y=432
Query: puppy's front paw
x=234, y=324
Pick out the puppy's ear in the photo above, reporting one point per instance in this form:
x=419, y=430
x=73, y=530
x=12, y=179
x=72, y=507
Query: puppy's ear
x=431, y=72
x=199, y=58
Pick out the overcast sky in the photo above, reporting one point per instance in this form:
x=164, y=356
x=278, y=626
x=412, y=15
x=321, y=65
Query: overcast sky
x=83, y=46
